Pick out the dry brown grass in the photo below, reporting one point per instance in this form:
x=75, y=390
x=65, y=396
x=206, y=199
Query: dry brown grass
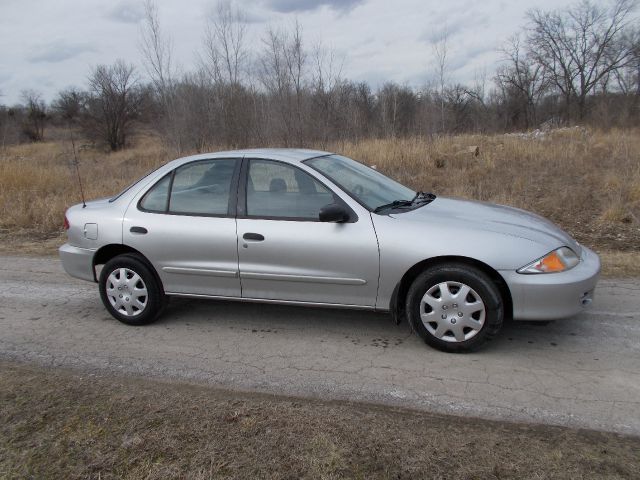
x=38, y=182
x=620, y=264
x=72, y=425
x=586, y=181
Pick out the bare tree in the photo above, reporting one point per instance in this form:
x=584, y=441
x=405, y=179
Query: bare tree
x=326, y=79
x=275, y=79
x=35, y=115
x=440, y=53
x=295, y=59
x=70, y=104
x=196, y=113
x=157, y=50
x=628, y=78
x=327, y=68
x=584, y=58
x=580, y=46
x=398, y=107
x=115, y=101
x=4, y=123
x=459, y=101
x=225, y=46
x=284, y=75
x=226, y=58
x=524, y=77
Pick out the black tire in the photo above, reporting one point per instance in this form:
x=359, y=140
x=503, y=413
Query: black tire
x=470, y=276
x=155, y=299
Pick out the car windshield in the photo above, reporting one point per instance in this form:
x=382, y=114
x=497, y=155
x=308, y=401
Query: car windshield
x=371, y=188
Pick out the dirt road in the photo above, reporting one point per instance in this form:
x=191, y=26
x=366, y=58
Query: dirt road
x=582, y=372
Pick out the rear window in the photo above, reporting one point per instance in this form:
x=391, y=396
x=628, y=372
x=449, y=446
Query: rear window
x=113, y=199
x=202, y=188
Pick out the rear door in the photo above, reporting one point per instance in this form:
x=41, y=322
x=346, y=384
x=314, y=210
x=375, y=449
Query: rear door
x=286, y=253
x=185, y=225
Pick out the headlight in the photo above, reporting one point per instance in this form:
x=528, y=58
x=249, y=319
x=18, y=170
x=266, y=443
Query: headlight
x=557, y=261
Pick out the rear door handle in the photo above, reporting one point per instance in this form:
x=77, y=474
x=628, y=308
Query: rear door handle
x=253, y=236
x=140, y=230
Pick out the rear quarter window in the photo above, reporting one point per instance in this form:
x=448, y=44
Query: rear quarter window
x=157, y=198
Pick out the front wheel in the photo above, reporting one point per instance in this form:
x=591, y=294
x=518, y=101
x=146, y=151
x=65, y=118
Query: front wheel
x=454, y=307
x=129, y=291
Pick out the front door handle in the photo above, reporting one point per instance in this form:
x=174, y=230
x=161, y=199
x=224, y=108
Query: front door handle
x=140, y=230
x=253, y=236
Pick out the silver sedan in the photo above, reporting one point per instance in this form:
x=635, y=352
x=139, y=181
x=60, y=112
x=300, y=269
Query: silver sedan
x=314, y=228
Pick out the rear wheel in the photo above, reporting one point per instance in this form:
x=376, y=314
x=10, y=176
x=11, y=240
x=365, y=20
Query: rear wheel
x=455, y=307
x=129, y=291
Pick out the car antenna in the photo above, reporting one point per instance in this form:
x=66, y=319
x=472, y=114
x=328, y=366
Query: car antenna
x=76, y=163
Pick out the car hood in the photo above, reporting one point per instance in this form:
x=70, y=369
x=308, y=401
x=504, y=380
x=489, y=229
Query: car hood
x=474, y=215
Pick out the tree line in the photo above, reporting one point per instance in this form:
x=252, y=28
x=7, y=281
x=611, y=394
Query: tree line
x=577, y=65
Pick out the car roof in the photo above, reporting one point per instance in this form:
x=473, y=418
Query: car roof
x=290, y=155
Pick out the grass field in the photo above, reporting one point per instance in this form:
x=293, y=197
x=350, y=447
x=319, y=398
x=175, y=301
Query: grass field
x=65, y=424
x=61, y=424
x=588, y=182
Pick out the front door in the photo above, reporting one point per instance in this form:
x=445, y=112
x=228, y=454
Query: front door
x=285, y=253
x=185, y=225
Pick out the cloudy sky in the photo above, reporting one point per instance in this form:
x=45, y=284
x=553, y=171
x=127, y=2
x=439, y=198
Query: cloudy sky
x=47, y=45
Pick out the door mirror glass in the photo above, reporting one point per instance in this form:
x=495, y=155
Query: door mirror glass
x=333, y=212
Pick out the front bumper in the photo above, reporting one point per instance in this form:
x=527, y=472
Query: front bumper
x=77, y=262
x=550, y=296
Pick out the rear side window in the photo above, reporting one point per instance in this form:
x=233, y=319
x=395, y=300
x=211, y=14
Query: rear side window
x=198, y=188
x=202, y=188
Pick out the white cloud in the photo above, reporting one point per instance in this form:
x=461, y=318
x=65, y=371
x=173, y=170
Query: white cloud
x=57, y=51
x=127, y=12
x=288, y=6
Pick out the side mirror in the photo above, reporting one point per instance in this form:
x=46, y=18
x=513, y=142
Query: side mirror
x=333, y=212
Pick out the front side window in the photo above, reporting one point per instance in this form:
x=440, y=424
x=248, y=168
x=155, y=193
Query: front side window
x=368, y=186
x=278, y=190
x=197, y=188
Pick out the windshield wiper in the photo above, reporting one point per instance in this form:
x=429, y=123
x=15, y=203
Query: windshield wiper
x=419, y=197
x=424, y=197
x=394, y=204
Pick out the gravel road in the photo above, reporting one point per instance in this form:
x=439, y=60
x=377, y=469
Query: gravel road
x=582, y=372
